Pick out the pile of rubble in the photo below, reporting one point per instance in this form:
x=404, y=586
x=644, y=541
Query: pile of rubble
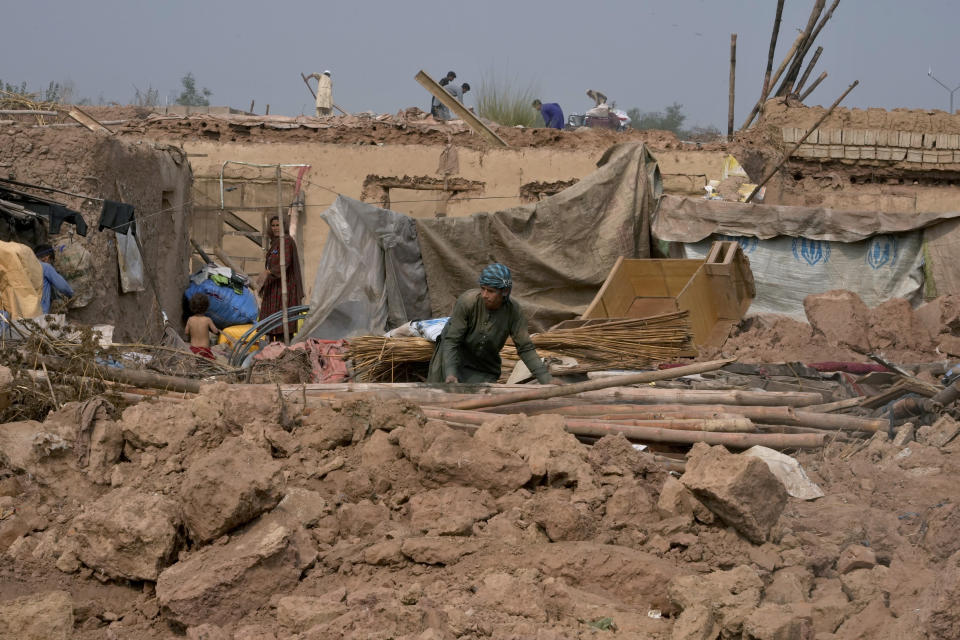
x=245, y=513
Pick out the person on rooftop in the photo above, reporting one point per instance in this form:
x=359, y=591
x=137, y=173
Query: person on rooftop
x=551, y=112
x=324, y=93
x=468, y=349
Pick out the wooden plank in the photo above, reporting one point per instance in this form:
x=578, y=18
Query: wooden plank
x=457, y=107
x=88, y=121
x=244, y=228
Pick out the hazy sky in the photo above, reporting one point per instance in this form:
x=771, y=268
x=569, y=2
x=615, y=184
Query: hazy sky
x=642, y=54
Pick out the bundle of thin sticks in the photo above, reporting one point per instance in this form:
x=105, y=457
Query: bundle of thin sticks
x=618, y=344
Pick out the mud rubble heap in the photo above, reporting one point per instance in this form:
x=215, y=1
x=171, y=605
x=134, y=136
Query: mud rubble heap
x=238, y=514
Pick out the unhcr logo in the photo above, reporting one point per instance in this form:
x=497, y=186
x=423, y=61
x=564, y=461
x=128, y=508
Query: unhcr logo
x=811, y=251
x=883, y=251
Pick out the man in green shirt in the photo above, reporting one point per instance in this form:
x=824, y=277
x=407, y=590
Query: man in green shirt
x=468, y=349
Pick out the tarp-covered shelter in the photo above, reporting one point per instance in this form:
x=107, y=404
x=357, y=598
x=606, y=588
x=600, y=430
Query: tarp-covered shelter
x=560, y=249
x=370, y=277
x=795, y=251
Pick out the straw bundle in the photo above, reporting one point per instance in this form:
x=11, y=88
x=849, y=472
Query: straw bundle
x=618, y=344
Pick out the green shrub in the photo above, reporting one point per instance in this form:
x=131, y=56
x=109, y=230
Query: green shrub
x=507, y=101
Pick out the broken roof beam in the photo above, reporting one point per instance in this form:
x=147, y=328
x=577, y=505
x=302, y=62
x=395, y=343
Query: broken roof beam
x=457, y=107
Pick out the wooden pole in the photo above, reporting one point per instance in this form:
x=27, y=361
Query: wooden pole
x=251, y=106
x=127, y=376
x=786, y=157
x=765, y=89
x=457, y=107
x=801, y=51
x=776, y=77
x=813, y=85
x=600, y=428
x=283, y=259
x=733, y=84
x=788, y=81
x=593, y=385
x=806, y=73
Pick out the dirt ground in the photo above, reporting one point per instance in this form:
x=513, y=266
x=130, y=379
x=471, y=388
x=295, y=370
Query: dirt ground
x=236, y=515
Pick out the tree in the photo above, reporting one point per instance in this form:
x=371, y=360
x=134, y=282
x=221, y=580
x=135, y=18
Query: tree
x=190, y=96
x=670, y=119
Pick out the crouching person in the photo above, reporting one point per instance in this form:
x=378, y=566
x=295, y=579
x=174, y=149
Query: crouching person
x=468, y=349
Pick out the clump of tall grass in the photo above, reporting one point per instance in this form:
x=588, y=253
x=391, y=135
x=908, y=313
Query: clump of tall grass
x=508, y=101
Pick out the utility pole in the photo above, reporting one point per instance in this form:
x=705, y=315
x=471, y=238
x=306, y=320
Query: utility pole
x=949, y=90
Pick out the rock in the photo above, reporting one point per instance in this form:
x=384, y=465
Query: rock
x=445, y=456
x=17, y=445
x=302, y=507
x=892, y=325
x=207, y=632
x=450, y=510
x=842, y=317
x=299, y=613
x=361, y=518
x=874, y=621
x=905, y=434
x=515, y=596
x=674, y=499
x=439, y=550
x=790, y=584
x=731, y=595
x=740, y=490
x=68, y=562
x=157, y=424
x=940, y=615
x=560, y=518
x=329, y=466
x=548, y=449
x=221, y=583
x=6, y=384
x=779, y=622
x=384, y=553
x=280, y=441
x=325, y=428
x=940, y=433
x=378, y=451
x=696, y=623
x=854, y=557
x=228, y=487
x=128, y=534
x=631, y=505
x=863, y=585
x=43, y=616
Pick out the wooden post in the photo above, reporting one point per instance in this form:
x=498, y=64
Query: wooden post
x=773, y=81
x=251, y=106
x=733, y=83
x=267, y=112
x=592, y=385
x=798, y=58
x=765, y=89
x=795, y=69
x=813, y=85
x=457, y=107
x=283, y=259
x=806, y=73
x=133, y=377
x=786, y=156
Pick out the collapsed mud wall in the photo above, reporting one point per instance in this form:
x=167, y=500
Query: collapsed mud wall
x=898, y=161
x=154, y=178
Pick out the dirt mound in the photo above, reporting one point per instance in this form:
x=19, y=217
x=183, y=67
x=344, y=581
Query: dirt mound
x=841, y=328
x=243, y=514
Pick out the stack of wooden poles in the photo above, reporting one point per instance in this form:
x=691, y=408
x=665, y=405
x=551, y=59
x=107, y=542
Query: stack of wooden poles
x=607, y=406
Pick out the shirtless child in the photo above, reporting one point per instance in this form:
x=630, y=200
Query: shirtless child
x=199, y=326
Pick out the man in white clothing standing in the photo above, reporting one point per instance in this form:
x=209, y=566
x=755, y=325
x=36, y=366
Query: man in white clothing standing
x=324, y=93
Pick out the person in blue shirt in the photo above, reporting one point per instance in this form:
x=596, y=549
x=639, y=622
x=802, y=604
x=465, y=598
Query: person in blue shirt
x=551, y=112
x=53, y=282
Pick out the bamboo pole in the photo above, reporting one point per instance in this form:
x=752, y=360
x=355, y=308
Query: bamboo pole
x=593, y=385
x=786, y=156
x=801, y=51
x=131, y=377
x=599, y=428
x=792, y=75
x=776, y=77
x=814, y=85
x=806, y=73
x=846, y=403
x=765, y=89
x=733, y=83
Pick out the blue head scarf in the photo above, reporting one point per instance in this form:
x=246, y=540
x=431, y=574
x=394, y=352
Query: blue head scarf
x=497, y=276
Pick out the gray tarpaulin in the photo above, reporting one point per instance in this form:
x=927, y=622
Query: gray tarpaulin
x=682, y=219
x=560, y=249
x=370, y=277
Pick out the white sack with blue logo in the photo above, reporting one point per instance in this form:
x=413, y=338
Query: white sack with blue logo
x=786, y=270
